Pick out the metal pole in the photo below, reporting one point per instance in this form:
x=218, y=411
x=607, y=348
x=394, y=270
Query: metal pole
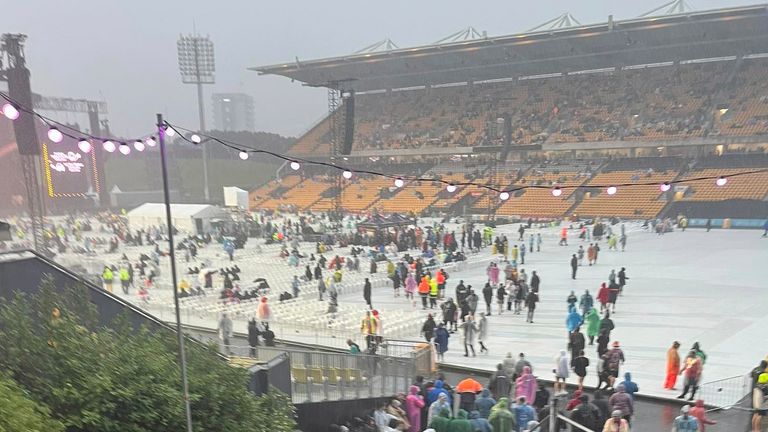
x=201, y=113
x=172, y=256
x=553, y=414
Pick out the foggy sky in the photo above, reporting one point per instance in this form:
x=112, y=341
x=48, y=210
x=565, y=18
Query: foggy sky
x=124, y=51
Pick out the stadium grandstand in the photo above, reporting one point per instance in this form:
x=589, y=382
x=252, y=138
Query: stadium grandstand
x=652, y=99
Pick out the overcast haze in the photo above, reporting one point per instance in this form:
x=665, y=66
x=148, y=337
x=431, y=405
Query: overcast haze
x=124, y=52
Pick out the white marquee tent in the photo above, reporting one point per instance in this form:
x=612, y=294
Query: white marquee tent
x=191, y=218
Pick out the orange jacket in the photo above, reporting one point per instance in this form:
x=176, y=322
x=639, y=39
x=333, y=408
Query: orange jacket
x=424, y=285
x=440, y=278
x=673, y=361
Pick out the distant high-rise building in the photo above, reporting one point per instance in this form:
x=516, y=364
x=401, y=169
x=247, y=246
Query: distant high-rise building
x=233, y=112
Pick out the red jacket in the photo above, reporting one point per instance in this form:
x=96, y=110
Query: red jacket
x=602, y=294
x=700, y=413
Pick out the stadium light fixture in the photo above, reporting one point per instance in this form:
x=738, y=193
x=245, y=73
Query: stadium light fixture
x=109, y=146
x=139, y=145
x=721, y=181
x=55, y=135
x=451, y=188
x=556, y=191
x=125, y=149
x=150, y=142
x=504, y=196
x=399, y=182
x=243, y=155
x=197, y=66
x=665, y=186
x=84, y=145
x=611, y=190
x=10, y=111
x=347, y=174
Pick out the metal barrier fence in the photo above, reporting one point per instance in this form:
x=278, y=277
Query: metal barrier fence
x=320, y=376
x=727, y=392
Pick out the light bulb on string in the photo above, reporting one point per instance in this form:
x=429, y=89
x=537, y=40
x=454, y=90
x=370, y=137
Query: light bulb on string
x=10, y=111
x=139, y=145
x=84, y=145
x=399, y=183
x=557, y=191
x=665, y=187
x=169, y=131
x=504, y=196
x=347, y=174
x=109, y=146
x=195, y=138
x=150, y=141
x=721, y=181
x=295, y=166
x=243, y=155
x=611, y=190
x=451, y=188
x=55, y=135
x=125, y=149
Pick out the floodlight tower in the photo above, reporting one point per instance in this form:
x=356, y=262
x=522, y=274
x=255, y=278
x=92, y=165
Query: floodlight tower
x=197, y=66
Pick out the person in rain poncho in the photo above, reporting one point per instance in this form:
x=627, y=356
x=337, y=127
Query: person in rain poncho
x=414, y=404
x=573, y=320
x=501, y=418
x=436, y=391
x=562, y=366
x=439, y=408
x=484, y=403
x=592, y=319
x=460, y=423
x=482, y=332
x=479, y=423
x=526, y=384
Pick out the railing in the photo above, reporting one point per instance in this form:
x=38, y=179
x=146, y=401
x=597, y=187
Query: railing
x=727, y=392
x=321, y=376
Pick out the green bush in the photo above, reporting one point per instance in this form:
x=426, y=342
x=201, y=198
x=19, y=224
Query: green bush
x=97, y=379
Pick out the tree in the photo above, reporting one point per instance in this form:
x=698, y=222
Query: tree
x=20, y=413
x=98, y=379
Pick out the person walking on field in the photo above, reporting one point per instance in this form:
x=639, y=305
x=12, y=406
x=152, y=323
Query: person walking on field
x=500, y=294
x=468, y=333
x=367, y=293
x=428, y=329
x=580, y=363
x=488, y=297
x=574, y=266
x=424, y=291
x=564, y=237
x=614, y=358
x=592, y=319
x=602, y=297
x=482, y=332
x=562, y=365
x=530, y=303
x=591, y=254
x=673, y=366
x=538, y=242
x=622, y=279
x=691, y=373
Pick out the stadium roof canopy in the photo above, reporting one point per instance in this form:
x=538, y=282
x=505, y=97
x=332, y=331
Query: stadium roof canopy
x=650, y=40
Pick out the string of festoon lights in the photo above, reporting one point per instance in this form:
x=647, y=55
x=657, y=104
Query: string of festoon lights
x=57, y=131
